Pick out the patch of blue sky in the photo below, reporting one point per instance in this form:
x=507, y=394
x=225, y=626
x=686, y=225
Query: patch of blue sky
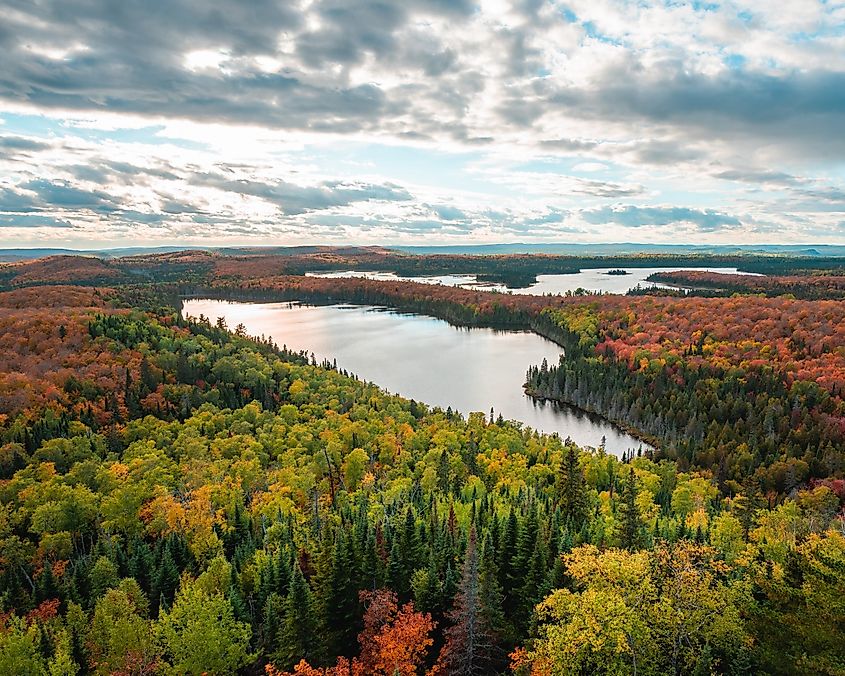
x=700, y=6
x=567, y=166
x=735, y=61
x=693, y=199
x=593, y=32
x=403, y=164
x=830, y=31
x=42, y=126
x=589, y=27
x=568, y=14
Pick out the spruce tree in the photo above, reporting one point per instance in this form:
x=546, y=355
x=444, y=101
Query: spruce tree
x=629, y=527
x=298, y=638
x=340, y=607
x=165, y=581
x=469, y=641
x=490, y=597
x=274, y=618
x=507, y=558
x=572, y=489
x=535, y=577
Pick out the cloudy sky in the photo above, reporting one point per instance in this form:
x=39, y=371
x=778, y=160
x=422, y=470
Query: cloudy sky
x=142, y=122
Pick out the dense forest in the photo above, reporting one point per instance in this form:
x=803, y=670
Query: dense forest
x=756, y=389
x=180, y=498
x=512, y=270
x=815, y=286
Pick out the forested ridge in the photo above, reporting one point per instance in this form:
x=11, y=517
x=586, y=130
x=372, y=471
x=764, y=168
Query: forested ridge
x=180, y=498
x=513, y=270
x=815, y=286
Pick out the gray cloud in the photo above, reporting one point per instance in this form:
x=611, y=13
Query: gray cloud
x=21, y=143
x=65, y=195
x=14, y=201
x=706, y=220
x=758, y=176
x=135, y=49
x=32, y=221
x=295, y=199
x=584, y=186
x=134, y=59
x=447, y=212
x=803, y=111
x=102, y=170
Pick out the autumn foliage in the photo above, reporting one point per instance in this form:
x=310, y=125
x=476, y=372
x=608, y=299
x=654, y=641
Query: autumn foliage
x=394, y=641
x=179, y=498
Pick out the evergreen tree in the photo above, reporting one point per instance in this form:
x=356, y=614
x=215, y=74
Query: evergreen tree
x=629, y=527
x=141, y=564
x=535, y=578
x=507, y=557
x=165, y=580
x=469, y=641
x=746, y=505
x=340, y=610
x=572, y=489
x=490, y=598
x=298, y=638
x=274, y=618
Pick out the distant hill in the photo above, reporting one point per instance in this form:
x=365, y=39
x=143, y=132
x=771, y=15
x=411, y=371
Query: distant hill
x=610, y=249
x=626, y=248
x=13, y=255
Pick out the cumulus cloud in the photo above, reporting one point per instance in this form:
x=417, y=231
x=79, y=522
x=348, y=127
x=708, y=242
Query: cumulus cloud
x=12, y=144
x=295, y=199
x=636, y=217
x=248, y=118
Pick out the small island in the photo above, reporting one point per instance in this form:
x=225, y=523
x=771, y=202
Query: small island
x=617, y=271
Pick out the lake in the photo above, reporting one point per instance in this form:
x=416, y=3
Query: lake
x=423, y=358
x=592, y=279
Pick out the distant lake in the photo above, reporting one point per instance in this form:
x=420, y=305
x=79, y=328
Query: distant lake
x=592, y=279
x=424, y=359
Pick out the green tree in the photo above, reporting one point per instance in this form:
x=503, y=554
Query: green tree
x=201, y=635
x=469, y=648
x=298, y=637
x=20, y=652
x=571, y=489
x=103, y=576
x=629, y=529
x=120, y=635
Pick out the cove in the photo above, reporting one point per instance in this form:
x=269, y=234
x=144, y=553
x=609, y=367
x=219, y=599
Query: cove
x=423, y=358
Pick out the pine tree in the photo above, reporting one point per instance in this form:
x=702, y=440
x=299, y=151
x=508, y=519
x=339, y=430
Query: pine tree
x=535, y=577
x=572, y=489
x=142, y=564
x=490, y=597
x=298, y=638
x=469, y=642
x=47, y=587
x=340, y=610
x=274, y=618
x=507, y=558
x=629, y=528
x=165, y=580
x=747, y=504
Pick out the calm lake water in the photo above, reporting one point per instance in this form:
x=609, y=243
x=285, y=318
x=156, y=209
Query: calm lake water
x=595, y=279
x=424, y=359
